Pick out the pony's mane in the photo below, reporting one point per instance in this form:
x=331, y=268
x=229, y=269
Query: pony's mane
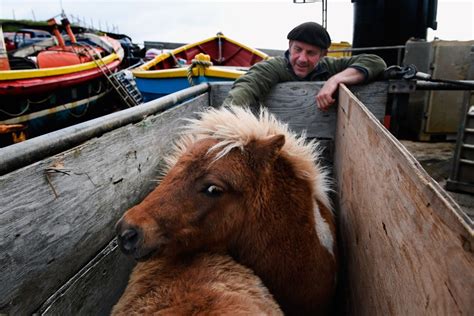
x=235, y=127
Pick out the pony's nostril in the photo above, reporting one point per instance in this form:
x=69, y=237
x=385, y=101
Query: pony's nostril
x=128, y=239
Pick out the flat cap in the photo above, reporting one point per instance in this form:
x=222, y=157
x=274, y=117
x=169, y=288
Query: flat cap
x=311, y=33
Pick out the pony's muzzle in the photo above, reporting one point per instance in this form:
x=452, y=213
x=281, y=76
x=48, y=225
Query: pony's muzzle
x=129, y=238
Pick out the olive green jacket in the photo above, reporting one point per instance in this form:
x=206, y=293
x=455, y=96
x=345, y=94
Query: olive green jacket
x=251, y=88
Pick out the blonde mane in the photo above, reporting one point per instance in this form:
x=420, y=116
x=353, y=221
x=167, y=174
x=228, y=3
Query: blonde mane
x=235, y=127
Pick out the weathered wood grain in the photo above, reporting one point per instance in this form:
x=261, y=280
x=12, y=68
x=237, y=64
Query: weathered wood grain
x=295, y=103
x=95, y=289
x=408, y=247
x=374, y=97
x=56, y=214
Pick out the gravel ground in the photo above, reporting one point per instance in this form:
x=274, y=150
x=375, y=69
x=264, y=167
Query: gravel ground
x=437, y=159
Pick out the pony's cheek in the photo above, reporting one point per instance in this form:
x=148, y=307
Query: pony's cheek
x=186, y=234
x=152, y=236
x=153, y=245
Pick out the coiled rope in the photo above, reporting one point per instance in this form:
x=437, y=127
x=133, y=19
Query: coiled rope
x=195, y=63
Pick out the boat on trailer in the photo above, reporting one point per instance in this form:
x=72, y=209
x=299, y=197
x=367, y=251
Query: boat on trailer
x=55, y=82
x=217, y=58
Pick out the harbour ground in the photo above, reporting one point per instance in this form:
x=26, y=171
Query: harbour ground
x=436, y=159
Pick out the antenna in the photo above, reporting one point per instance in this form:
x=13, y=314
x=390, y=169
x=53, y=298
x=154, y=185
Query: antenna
x=324, y=10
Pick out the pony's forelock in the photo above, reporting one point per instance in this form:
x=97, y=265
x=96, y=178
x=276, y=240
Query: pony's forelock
x=235, y=127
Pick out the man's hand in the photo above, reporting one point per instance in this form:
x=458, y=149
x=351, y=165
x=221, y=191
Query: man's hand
x=325, y=96
x=349, y=76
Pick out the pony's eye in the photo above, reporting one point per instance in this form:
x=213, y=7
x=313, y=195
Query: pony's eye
x=213, y=190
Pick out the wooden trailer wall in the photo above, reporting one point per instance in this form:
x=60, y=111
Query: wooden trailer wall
x=57, y=215
x=407, y=246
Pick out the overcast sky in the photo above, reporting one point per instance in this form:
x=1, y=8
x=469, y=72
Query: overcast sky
x=260, y=24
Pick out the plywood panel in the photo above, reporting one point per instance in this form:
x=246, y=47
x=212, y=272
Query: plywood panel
x=408, y=248
x=56, y=214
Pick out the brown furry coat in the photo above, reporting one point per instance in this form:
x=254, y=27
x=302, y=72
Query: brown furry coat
x=201, y=285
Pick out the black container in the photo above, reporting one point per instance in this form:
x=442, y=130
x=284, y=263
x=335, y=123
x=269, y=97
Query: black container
x=391, y=23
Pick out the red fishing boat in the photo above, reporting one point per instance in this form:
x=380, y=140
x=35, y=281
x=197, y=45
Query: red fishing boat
x=50, y=83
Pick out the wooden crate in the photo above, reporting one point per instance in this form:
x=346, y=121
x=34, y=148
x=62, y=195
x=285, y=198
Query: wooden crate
x=407, y=247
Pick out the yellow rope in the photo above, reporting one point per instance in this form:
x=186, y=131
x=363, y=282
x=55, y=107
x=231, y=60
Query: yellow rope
x=195, y=62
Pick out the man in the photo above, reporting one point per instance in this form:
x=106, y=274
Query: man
x=305, y=60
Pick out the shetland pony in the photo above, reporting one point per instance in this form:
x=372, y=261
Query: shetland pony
x=203, y=284
x=246, y=186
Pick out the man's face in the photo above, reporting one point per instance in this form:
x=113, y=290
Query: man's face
x=304, y=57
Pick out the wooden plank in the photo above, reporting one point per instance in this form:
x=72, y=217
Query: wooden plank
x=95, y=289
x=408, y=247
x=56, y=214
x=295, y=102
x=373, y=96
x=219, y=92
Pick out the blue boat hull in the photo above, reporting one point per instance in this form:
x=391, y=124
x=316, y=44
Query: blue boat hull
x=158, y=87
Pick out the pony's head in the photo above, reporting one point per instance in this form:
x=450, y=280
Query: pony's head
x=224, y=174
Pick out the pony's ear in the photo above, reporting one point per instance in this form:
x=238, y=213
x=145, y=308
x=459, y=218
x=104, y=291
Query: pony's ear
x=267, y=149
x=274, y=143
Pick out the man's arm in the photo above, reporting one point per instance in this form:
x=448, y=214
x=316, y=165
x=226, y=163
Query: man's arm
x=251, y=88
x=348, y=70
x=349, y=76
